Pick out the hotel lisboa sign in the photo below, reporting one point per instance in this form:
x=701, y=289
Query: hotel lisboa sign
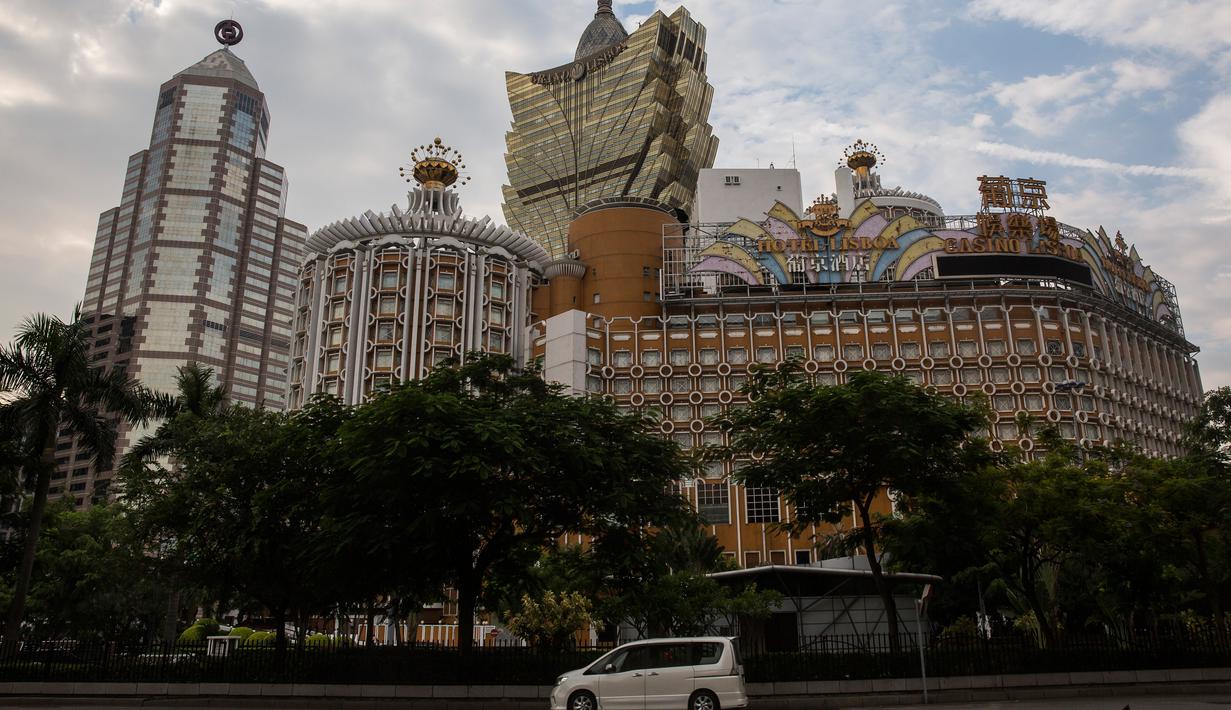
x=825, y=247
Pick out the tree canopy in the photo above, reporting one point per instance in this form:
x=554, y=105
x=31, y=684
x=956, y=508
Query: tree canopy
x=826, y=448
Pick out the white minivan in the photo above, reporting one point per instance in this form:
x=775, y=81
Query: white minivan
x=667, y=674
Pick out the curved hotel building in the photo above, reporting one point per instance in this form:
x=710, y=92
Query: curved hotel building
x=384, y=297
x=1050, y=323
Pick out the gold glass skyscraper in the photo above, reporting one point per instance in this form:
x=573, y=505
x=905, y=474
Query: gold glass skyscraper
x=627, y=118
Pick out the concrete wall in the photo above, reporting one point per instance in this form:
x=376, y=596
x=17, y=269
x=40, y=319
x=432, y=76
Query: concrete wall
x=718, y=201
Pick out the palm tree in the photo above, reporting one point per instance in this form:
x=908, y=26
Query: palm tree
x=50, y=386
x=197, y=395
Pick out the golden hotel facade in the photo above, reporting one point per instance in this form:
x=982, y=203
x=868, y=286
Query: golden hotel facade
x=1052, y=324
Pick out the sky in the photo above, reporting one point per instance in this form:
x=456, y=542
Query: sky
x=1123, y=106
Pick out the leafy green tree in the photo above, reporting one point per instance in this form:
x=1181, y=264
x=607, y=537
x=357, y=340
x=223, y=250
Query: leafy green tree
x=474, y=470
x=551, y=620
x=52, y=387
x=94, y=579
x=241, y=505
x=827, y=448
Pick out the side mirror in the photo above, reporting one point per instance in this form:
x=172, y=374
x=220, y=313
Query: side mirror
x=610, y=668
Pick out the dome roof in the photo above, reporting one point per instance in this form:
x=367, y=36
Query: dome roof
x=223, y=65
x=603, y=31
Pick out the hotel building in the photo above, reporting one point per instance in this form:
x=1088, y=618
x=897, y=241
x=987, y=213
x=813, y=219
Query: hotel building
x=1050, y=323
x=626, y=118
x=197, y=263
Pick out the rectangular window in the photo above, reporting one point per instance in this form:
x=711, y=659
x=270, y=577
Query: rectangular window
x=388, y=305
x=622, y=385
x=881, y=351
x=335, y=336
x=651, y=358
x=389, y=278
x=909, y=350
x=651, y=385
x=996, y=348
x=737, y=356
x=443, y=333
x=681, y=385
x=942, y=377
x=384, y=332
x=384, y=358
x=803, y=557
x=445, y=281
x=498, y=290
x=714, y=503
x=1055, y=348
x=708, y=356
x=967, y=348
x=1025, y=346
x=823, y=353
x=621, y=358
x=938, y=348
x=339, y=285
x=444, y=307
x=971, y=376
x=594, y=356
x=853, y=353
x=680, y=356
x=1079, y=349
x=766, y=355
x=794, y=352
x=762, y=505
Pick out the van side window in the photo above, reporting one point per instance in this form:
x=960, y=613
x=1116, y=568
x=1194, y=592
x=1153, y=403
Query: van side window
x=634, y=659
x=707, y=653
x=671, y=655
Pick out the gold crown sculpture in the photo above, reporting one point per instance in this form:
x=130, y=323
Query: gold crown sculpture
x=862, y=157
x=436, y=166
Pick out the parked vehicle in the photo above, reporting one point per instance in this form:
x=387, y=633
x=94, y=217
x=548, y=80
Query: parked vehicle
x=658, y=674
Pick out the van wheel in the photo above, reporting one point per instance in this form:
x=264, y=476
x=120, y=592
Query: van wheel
x=703, y=700
x=582, y=700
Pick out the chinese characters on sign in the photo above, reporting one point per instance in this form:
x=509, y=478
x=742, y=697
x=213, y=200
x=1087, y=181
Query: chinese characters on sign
x=1012, y=195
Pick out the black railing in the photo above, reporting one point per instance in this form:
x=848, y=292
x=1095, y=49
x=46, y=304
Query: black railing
x=332, y=663
x=820, y=659
x=862, y=657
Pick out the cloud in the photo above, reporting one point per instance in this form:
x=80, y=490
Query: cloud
x=1045, y=104
x=1195, y=28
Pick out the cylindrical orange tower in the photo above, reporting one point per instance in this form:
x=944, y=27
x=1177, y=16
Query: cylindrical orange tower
x=621, y=244
x=565, y=290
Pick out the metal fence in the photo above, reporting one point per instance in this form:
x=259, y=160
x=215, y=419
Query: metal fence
x=861, y=657
x=825, y=658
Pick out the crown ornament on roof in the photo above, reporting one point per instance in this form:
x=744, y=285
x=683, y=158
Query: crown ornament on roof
x=435, y=166
x=862, y=156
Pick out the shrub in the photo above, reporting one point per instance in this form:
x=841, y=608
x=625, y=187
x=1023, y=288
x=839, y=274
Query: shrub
x=323, y=640
x=258, y=638
x=210, y=626
x=241, y=631
x=193, y=634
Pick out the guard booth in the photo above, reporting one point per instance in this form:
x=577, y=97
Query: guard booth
x=835, y=600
